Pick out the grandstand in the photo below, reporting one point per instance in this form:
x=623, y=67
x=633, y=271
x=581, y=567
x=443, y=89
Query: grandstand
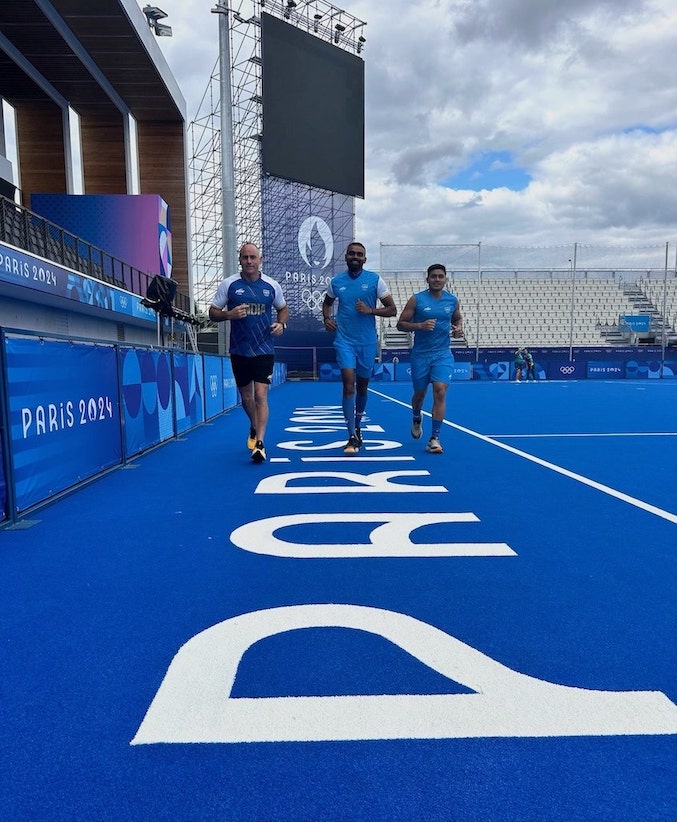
x=82, y=122
x=658, y=292
x=548, y=311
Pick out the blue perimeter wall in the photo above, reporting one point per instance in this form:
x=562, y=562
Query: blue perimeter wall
x=71, y=410
x=551, y=364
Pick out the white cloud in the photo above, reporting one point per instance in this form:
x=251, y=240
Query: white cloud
x=581, y=94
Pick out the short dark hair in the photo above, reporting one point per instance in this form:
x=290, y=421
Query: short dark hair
x=356, y=243
x=435, y=267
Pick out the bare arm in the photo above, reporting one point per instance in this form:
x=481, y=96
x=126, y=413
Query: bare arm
x=457, y=322
x=329, y=321
x=277, y=327
x=389, y=308
x=405, y=321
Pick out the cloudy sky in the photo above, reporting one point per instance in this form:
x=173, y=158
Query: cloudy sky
x=510, y=122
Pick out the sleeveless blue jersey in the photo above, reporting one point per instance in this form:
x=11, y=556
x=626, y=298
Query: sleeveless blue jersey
x=250, y=336
x=356, y=328
x=441, y=310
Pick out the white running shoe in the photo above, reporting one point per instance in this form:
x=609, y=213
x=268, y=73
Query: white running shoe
x=433, y=446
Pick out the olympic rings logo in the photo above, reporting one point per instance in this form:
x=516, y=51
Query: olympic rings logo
x=312, y=299
x=567, y=369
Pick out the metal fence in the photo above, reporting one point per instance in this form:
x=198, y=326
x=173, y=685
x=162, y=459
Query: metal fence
x=560, y=295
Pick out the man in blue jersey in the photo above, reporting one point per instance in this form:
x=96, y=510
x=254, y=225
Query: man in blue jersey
x=247, y=300
x=432, y=315
x=358, y=292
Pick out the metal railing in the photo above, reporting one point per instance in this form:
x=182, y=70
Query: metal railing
x=24, y=229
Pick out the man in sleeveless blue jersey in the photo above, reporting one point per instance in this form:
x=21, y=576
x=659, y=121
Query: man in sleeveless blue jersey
x=358, y=292
x=247, y=300
x=431, y=315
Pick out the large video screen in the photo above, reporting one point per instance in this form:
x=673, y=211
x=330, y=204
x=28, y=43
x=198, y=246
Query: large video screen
x=313, y=110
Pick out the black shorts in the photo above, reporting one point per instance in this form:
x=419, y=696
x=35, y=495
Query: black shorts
x=252, y=369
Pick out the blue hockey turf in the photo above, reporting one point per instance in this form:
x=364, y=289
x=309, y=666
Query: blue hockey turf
x=488, y=634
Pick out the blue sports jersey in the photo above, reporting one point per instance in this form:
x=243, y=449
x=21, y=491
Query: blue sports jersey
x=250, y=336
x=441, y=310
x=356, y=328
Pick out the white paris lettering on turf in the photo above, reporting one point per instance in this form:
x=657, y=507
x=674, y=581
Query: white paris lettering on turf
x=309, y=445
x=376, y=483
x=193, y=703
x=389, y=539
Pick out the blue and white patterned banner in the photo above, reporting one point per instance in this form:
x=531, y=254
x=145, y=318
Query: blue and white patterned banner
x=64, y=414
x=147, y=400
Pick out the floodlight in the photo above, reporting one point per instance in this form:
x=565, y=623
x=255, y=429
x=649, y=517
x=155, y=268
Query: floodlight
x=154, y=15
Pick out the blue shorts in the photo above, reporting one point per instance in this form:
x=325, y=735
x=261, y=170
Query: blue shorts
x=428, y=368
x=358, y=357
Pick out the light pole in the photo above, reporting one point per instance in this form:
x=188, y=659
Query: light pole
x=479, y=301
x=665, y=307
x=228, y=229
x=572, y=265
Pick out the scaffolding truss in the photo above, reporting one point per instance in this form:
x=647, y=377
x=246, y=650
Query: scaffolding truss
x=318, y=18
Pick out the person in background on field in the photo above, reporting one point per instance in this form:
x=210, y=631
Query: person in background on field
x=519, y=365
x=432, y=315
x=530, y=365
x=358, y=292
x=247, y=300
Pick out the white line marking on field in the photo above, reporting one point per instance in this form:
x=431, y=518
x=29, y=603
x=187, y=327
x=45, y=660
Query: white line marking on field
x=598, y=486
x=558, y=436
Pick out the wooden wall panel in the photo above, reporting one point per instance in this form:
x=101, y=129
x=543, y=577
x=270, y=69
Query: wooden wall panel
x=103, y=153
x=40, y=146
x=162, y=168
